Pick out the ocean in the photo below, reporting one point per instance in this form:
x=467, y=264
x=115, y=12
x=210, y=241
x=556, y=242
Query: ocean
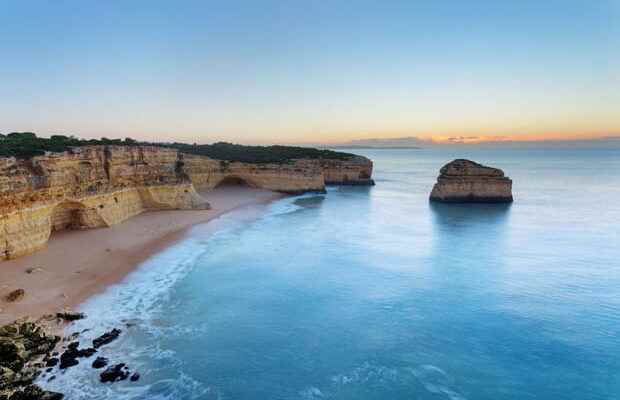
x=375, y=293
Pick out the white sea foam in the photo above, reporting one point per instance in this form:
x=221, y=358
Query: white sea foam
x=311, y=393
x=135, y=303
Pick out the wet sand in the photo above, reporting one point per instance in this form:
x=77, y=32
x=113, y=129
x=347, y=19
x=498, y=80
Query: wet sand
x=78, y=264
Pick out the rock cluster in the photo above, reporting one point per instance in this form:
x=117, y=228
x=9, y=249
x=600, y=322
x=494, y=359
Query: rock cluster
x=27, y=353
x=70, y=357
x=465, y=181
x=21, y=343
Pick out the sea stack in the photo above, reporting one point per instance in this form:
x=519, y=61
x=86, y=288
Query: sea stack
x=465, y=181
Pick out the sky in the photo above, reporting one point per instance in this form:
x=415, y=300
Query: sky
x=311, y=71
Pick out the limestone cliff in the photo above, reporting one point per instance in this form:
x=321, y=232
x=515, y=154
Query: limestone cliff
x=464, y=181
x=98, y=186
x=88, y=187
x=298, y=176
x=356, y=171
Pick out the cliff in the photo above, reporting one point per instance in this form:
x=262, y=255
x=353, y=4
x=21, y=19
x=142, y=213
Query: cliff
x=356, y=171
x=464, y=181
x=99, y=186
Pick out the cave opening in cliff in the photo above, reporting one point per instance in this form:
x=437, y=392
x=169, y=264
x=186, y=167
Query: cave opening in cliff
x=233, y=181
x=67, y=215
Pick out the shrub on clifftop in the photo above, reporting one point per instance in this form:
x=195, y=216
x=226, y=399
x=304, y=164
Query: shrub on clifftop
x=27, y=144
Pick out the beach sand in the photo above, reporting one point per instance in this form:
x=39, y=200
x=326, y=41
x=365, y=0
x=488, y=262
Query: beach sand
x=78, y=264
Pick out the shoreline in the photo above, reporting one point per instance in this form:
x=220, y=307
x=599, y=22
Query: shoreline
x=76, y=265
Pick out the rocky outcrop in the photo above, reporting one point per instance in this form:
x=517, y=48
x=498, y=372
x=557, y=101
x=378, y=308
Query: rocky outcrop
x=99, y=186
x=464, y=181
x=21, y=343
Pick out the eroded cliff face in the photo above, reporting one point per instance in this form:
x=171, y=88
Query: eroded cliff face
x=464, y=181
x=298, y=176
x=89, y=187
x=357, y=171
x=98, y=186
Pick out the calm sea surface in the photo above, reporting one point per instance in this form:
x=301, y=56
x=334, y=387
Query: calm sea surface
x=373, y=293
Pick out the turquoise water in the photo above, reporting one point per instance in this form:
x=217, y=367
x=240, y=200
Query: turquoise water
x=373, y=293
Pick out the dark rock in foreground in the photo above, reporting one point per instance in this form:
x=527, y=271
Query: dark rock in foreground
x=34, y=392
x=22, y=343
x=114, y=373
x=106, y=338
x=464, y=181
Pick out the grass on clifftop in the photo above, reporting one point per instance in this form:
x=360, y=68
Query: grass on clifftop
x=27, y=144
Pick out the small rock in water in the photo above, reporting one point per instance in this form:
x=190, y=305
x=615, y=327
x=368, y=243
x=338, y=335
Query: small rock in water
x=114, y=373
x=135, y=377
x=100, y=362
x=15, y=295
x=70, y=356
x=68, y=360
x=106, y=338
x=71, y=337
x=87, y=352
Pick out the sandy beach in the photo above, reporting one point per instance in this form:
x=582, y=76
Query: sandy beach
x=77, y=264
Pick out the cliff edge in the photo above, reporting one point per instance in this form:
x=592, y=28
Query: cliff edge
x=102, y=185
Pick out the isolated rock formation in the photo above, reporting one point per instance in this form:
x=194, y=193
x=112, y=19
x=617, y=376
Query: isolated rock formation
x=464, y=181
x=99, y=186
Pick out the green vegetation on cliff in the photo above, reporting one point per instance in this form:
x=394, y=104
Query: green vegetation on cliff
x=27, y=144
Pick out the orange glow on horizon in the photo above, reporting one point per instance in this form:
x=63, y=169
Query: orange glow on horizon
x=458, y=139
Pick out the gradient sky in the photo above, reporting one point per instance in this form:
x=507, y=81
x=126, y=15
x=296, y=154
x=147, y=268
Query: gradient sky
x=310, y=71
